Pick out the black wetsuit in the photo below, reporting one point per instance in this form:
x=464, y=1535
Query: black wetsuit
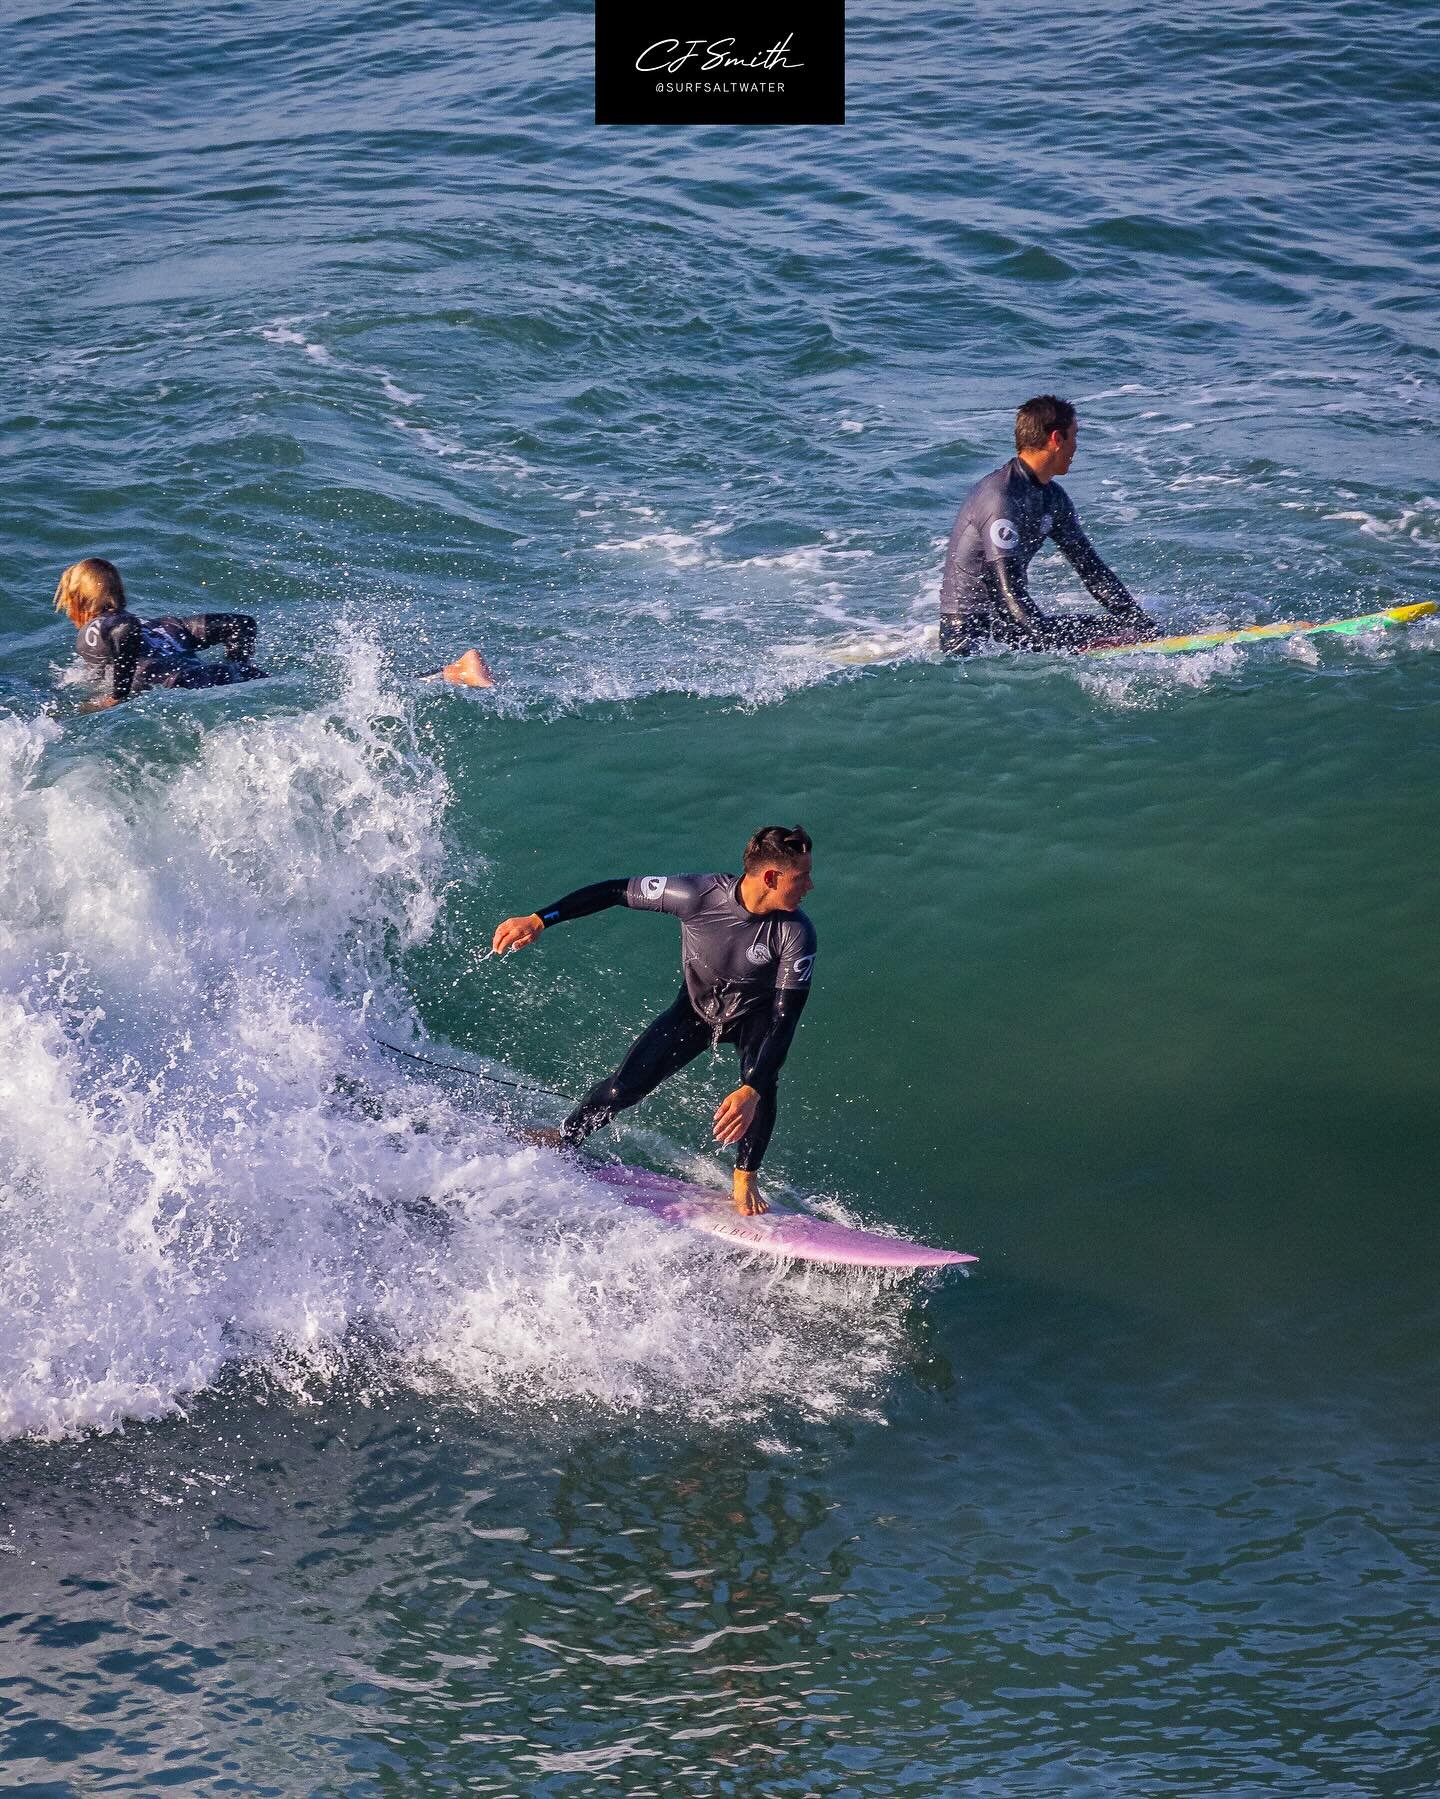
x=1002, y=522
x=164, y=652
x=747, y=975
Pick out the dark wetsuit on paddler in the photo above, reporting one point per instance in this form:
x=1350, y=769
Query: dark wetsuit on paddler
x=1003, y=521
x=127, y=654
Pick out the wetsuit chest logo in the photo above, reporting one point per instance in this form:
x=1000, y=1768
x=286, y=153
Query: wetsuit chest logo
x=1003, y=534
x=760, y=953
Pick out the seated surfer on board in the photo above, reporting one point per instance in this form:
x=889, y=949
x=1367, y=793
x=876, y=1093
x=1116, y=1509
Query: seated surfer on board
x=1002, y=522
x=746, y=951
x=132, y=654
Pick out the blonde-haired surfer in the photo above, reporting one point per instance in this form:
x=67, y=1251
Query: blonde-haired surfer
x=132, y=654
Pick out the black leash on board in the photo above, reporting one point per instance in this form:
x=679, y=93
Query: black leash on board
x=473, y=1074
x=499, y=1080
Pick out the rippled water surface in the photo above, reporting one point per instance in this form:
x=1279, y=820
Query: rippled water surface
x=348, y=1447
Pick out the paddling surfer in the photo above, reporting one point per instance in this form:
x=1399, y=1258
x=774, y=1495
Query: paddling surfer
x=129, y=654
x=126, y=655
x=746, y=951
x=1002, y=523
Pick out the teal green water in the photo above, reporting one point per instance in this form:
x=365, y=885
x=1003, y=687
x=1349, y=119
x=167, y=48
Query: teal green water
x=350, y=1448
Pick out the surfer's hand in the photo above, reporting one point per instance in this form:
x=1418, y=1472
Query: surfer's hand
x=734, y=1114
x=515, y=933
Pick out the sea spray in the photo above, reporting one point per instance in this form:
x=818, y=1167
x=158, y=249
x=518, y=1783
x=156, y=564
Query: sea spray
x=209, y=1163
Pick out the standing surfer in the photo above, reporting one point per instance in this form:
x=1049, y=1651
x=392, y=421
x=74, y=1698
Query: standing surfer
x=746, y=951
x=1001, y=524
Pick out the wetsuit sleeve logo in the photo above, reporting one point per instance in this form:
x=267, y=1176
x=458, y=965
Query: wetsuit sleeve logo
x=1003, y=534
x=652, y=886
x=802, y=966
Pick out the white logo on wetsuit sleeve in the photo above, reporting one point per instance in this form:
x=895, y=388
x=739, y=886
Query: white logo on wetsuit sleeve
x=803, y=965
x=92, y=635
x=1045, y=525
x=652, y=886
x=1003, y=534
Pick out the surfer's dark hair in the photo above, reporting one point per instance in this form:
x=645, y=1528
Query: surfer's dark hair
x=777, y=846
x=1037, y=418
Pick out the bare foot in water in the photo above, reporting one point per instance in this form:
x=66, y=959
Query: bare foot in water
x=469, y=670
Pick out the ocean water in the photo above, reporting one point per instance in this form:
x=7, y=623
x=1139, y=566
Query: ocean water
x=349, y=1447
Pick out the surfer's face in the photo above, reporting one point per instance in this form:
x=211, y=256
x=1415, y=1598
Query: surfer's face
x=1063, y=448
x=792, y=883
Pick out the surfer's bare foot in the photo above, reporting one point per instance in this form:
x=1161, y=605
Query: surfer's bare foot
x=469, y=670
x=746, y=1194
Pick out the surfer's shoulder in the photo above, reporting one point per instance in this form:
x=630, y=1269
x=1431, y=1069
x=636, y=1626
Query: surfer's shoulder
x=997, y=482
x=800, y=927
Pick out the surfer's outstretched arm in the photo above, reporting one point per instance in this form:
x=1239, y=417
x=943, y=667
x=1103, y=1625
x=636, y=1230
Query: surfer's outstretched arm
x=518, y=933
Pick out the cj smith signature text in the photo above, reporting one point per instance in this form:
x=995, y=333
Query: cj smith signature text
x=669, y=54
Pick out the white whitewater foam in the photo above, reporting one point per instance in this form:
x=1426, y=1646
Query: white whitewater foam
x=283, y=332
x=207, y=1161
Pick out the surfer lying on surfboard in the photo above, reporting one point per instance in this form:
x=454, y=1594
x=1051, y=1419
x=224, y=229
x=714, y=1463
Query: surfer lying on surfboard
x=1003, y=520
x=126, y=654
x=746, y=951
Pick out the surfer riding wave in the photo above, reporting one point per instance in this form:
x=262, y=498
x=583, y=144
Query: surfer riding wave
x=747, y=952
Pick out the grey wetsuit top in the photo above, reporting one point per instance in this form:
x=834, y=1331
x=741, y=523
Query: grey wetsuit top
x=1002, y=523
x=734, y=960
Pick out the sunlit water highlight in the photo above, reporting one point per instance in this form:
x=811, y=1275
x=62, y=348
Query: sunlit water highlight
x=351, y=1447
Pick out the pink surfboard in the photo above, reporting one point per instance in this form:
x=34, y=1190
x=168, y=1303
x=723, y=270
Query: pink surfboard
x=788, y=1235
